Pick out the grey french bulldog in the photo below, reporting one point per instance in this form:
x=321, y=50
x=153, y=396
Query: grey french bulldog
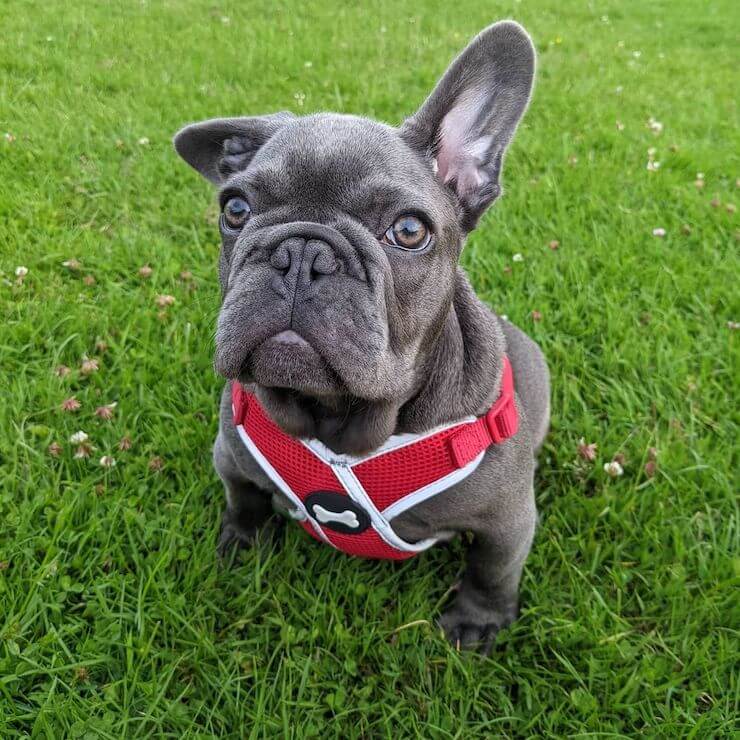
x=345, y=313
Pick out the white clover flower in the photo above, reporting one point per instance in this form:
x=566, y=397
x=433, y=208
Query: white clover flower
x=659, y=232
x=518, y=257
x=613, y=469
x=89, y=366
x=78, y=438
x=164, y=300
x=21, y=271
x=107, y=461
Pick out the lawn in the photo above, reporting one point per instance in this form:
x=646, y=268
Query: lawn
x=615, y=247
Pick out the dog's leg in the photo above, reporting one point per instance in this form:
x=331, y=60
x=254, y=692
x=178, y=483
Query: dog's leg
x=249, y=514
x=488, y=597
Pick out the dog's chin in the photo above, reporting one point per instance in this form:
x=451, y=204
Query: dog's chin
x=289, y=361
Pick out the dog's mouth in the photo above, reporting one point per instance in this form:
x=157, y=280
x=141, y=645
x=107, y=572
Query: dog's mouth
x=288, y=360
x=290, y=338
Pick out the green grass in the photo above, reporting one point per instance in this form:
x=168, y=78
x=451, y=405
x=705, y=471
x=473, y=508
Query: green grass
x=116, y=619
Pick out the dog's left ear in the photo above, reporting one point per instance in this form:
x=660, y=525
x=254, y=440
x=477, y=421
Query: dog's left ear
x=222, y=146
x=469, y=119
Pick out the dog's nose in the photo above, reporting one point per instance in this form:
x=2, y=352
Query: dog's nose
x=301, y=261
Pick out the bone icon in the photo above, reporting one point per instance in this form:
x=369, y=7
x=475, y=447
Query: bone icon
x=348, y=518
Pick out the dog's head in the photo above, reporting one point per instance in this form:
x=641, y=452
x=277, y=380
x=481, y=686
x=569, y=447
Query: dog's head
x=341, y=236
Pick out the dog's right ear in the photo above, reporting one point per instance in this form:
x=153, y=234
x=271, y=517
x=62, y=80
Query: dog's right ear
x=469, y=119
x=222, y=146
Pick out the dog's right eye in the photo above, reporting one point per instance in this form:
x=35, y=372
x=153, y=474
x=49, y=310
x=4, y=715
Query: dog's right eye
x=408, y=232
x=235, y=213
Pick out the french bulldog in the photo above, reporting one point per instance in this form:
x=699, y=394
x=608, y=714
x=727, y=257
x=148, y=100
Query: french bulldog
x=345, y=313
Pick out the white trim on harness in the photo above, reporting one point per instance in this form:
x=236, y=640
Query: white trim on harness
x=278, y=480
x=394, y=442
x=437, y=486
x=380, y=525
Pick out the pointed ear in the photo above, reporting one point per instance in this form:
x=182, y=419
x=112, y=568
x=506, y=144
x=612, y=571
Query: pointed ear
x=469, y=119
x=222, y=146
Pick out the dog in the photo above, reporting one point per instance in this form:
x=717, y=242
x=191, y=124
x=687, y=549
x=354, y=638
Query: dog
x=372, y=395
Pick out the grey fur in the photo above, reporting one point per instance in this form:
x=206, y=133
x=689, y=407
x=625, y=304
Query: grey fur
x=388, y=341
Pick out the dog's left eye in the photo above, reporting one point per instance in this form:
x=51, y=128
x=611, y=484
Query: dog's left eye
x=236, y=212
x=408, y=232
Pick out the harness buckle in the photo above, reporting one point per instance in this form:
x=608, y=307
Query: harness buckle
x=502, y=422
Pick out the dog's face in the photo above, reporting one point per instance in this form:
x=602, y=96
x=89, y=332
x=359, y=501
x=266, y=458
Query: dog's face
x=341, y=235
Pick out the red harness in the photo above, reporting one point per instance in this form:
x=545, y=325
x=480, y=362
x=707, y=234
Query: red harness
x=348, y=502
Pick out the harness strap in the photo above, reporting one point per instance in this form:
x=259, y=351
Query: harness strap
x=499, y=423
x=349, y=503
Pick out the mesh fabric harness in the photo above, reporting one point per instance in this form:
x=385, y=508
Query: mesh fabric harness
x=348, y=502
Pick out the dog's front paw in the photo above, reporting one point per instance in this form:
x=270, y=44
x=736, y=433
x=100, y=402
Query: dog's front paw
x=473, y=628
x=235, y=535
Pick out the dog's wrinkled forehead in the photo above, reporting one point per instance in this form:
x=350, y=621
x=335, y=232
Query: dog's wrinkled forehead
x=337, y=160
